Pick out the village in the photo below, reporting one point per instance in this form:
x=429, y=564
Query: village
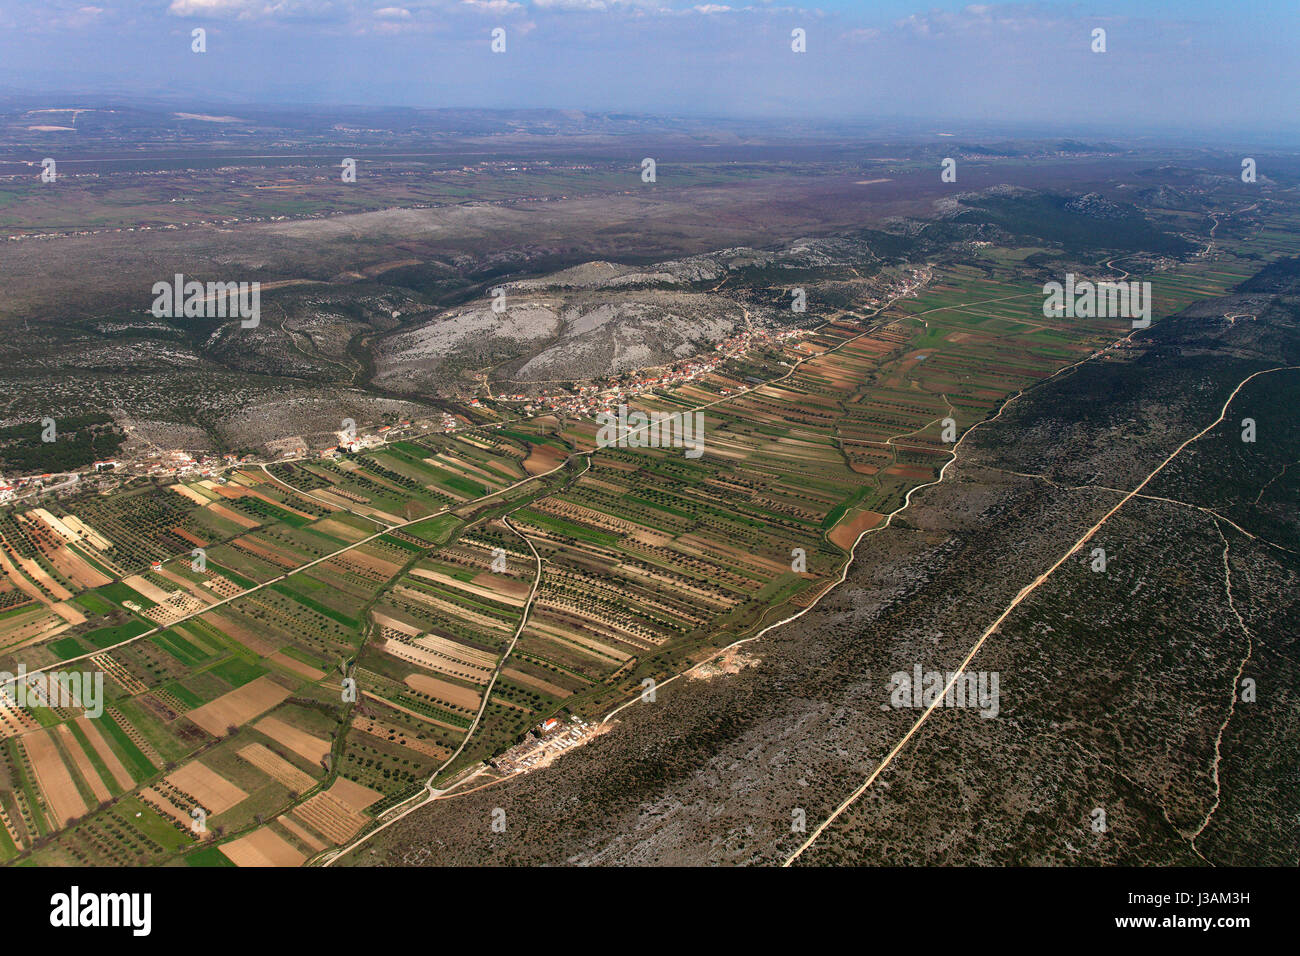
x=111, y=473
x=589, y=400
x=581, y=401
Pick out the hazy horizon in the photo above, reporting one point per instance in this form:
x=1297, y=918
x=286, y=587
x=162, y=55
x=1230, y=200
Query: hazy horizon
x=1168, y=69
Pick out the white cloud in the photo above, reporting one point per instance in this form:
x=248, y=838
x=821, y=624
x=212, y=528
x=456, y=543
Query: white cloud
x=599, y=6
x=60, y=16
x=492, y=6
x=983, y=18
x=861, y=35
x=571, y=4
x=252, y=9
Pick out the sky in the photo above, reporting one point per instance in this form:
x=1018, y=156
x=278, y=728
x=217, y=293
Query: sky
x=1209, y=69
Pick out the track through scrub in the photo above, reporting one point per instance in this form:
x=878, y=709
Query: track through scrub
x=1024, y=592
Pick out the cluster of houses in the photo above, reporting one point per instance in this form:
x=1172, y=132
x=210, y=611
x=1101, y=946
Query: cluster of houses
x=16, y=487
x=591, y=399
x=166, y=464
x=180, y=464
x=351, y=442
x=548, y=740
x=584, y=401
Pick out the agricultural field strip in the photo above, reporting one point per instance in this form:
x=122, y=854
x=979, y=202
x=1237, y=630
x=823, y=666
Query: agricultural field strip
x=447, y=509
x=889, y=517
x=326, y=557
x=308, y=494
x=738, y=394
x=397, y=810
x=907, y=500
x=844, y=569
x=1024, y=592
x=430, y=792
x=145, y=566
x=276, y=580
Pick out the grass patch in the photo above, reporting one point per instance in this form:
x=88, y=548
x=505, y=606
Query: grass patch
x=208, y=856
x=135, y=761
x=237, y=672
x=108, y=636
x=67, y=647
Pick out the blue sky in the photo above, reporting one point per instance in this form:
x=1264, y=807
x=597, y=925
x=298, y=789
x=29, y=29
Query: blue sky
x=1200, y=67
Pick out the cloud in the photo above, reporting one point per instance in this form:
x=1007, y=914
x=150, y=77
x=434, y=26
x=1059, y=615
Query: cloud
x=983, y=19
x=491, y=6
x=55, y=15
x=863, y=34
x=254, y=9
x=602, y=6
x=82, y=16
x=590, y=5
